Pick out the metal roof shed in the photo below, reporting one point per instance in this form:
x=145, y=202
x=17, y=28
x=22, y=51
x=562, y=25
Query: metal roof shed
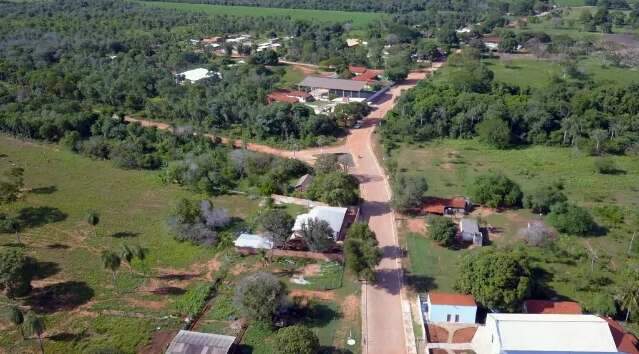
x=187, y=342
x=314, y=82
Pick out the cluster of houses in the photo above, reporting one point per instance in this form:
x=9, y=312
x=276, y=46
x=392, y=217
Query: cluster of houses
x=456, y=208
x=543, y=327
x=218, y=43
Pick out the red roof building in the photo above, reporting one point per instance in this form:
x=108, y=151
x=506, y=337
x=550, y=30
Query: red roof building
x=626, y=342
x=437, y=298
x=357, y=69
x=445, y=206
x=368, y=76
x=287, y=96
x=552, y=307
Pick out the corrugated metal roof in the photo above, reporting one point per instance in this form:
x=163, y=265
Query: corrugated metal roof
x=187, y=342
x=254, y=241
x=334, y=216
x=332, y=84
x=469, y=225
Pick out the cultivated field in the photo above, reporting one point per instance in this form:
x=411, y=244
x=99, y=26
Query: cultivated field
x=358, y=19
x=86, y=311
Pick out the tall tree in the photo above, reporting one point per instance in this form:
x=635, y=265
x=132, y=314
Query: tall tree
x=259, y=296
x=296, y=340
x=11, y=185
x=16, y=272
x=277, y=224
x=361, y=251
x=93, y=219
x=408, y=192
x=10, y=225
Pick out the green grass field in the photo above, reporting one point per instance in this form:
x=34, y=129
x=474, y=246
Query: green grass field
x=537, y=72
x=449, y=166
x=133, y=206
x=358, y=19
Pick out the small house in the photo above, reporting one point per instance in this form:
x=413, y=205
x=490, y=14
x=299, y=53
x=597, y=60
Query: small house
x=288, y=96
x=446, y=206
x=552, y=307
x=453, y=308
x=188, y=342
x=469, y=231
x=339, y=219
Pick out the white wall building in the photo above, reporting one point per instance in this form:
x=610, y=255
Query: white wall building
x=536, y=333
x=453, y=308
x=334, y=216
x=196, y=75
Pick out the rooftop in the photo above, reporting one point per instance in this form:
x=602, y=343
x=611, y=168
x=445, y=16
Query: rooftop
x=187, y=342
x=552, y=307
x=332, y=84
x=253, y=241
x=553, y=333
x=437, y=298
x=197, y=74
x=334, y=216
x=434, y=205
x=469, y=225
x=625, y=341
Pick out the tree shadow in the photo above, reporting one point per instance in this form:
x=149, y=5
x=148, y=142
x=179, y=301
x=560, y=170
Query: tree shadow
x=168, y=290
x=388, y=279
x=393, y=252
x=38, y=216
x=44, y=190
x=125, y=234
x=62, y=296
x=68, y=337
x=179, y=276
x=420, y=283
x=58, y=246
x=43, y=270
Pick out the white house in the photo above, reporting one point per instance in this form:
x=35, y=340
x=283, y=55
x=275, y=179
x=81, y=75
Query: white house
x=446, y=307
x=528, y=333
x=469, y=229
x=334, y=216
x=196, y=75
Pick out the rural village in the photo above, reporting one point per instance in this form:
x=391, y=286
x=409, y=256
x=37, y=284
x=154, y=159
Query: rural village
x=278, y=176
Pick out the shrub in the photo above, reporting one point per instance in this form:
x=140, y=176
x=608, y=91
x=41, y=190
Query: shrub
x=442, y=229
x=259, y=296
x=496, y=190
x=605, y=165
x=541, y=199
x=571, y=219
x=296, y=340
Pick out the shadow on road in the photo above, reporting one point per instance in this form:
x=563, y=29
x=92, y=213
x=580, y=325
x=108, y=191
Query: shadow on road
x=388, y=279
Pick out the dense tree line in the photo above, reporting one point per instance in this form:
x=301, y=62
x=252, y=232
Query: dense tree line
x=595, y=117
x=63, y=61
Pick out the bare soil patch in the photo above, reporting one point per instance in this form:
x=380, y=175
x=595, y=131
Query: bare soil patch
x=310, y=270
x=464, y=335
x=151, y=305
x=159, y=342
x=313, y=294
x=417, y=225
x=436, y=334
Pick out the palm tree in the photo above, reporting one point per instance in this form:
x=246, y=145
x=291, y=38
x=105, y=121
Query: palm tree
x=15, y=316
x=93, y=219
x=35, y=326
x=628, y=296
x=111, y=261
x=128, y=254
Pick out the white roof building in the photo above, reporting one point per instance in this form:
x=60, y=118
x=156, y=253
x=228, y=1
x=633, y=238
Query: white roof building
x=519, y=333
x=334, y=216
x=196, y=75
x=253, y=241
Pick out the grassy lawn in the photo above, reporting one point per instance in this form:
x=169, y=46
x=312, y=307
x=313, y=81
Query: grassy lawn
x=358, y=19
x=292, y=76
x=72, y=288
x=451, y=165
x=537, y=73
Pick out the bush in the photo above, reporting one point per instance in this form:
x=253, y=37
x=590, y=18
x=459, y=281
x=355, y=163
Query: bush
x=495, y=132
x=198, y=222
x=496, y=191
x=442, y=229
x=571, y=219
x=606, y=166
x=408, y=192
x=541, y=199
x=259, y=296
x=296, y=340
